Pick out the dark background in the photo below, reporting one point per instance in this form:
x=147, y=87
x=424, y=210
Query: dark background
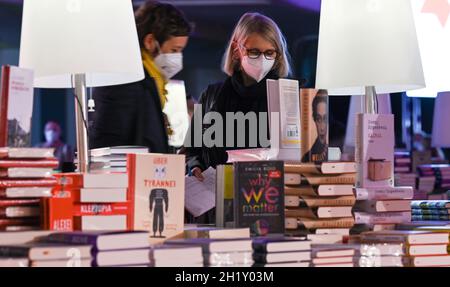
x=214, y=21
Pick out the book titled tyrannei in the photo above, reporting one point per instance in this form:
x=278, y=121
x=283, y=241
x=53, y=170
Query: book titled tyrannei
x=259, y=197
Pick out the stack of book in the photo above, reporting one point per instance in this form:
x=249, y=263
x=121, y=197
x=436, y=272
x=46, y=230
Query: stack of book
x=281, y=252
x=39, y=254
x=26, y=176
x=421, y=248
x=360, y=255
x=89, y=202
x=402, y=162
x=112, y=159
x=381, y=208
x=107, y=248
x=176, y=256
x=319, y=197
x=221, y=252
x=435, y=179
x=430, y=210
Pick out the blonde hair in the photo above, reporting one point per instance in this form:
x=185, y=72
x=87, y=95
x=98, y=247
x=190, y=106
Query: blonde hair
x=251, y=23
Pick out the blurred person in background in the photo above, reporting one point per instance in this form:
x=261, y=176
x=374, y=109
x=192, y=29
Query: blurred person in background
x=132, y=114
x=63, y=152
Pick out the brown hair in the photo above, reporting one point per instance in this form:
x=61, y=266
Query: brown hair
x=162, y=20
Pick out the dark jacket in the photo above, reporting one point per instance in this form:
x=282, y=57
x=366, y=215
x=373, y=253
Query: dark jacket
x=229, y=96
x=129, y=114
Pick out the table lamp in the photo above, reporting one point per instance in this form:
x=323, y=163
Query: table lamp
x=368, y=47
x=433, y=32
x=441, y=136
x=79, y=44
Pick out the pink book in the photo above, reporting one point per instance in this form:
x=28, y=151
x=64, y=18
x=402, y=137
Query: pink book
x=375, y=159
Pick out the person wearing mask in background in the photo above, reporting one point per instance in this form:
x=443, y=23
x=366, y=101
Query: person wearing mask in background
x=132, y=114
x=63, y=152
x=256, y=52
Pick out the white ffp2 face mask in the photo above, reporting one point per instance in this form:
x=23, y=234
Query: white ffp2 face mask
x=170, y=64
x=257, y=68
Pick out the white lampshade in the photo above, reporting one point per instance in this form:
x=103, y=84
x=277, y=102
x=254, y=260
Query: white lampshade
x=356, y=107
x=434, y=43
x=97, y=38
x=441, y=121
x=368, y=43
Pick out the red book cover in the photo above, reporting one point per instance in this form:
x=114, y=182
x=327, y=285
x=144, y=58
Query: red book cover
x=50, y=163
x=58, y=214
x=4, y=85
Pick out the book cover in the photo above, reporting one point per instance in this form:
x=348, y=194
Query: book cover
x=157, y=192
x=259, y=193
x=314, y=123
x=375, y=150
x=284, y=118
x=16, y=106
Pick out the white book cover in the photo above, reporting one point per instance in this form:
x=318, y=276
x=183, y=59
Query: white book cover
x=284, y=118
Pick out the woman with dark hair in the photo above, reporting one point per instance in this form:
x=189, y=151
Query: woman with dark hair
x=132, y=114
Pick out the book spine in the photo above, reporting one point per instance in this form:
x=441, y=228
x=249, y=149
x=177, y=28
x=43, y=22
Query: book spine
x=423, y=211
x=382, y=218
x=27, y=163
x=359, y=141
x=131, y=167
x=329, y=180
x=14, y=252
x=19, y=202
x=101, y=209
x=329, y=223
x=28, y=183
x=4, y=93
x=305, y=100
x=384, y=194
x=430, y=217
x=73, y=239
x=325, y=201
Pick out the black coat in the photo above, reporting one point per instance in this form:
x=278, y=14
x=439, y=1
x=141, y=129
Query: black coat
x=229, y=96
x=129, y=114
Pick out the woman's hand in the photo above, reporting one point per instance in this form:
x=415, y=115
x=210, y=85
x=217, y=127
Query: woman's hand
x=197, y=172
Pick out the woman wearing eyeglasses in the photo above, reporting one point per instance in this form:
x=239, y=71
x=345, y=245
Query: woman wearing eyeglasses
x=256, y=52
